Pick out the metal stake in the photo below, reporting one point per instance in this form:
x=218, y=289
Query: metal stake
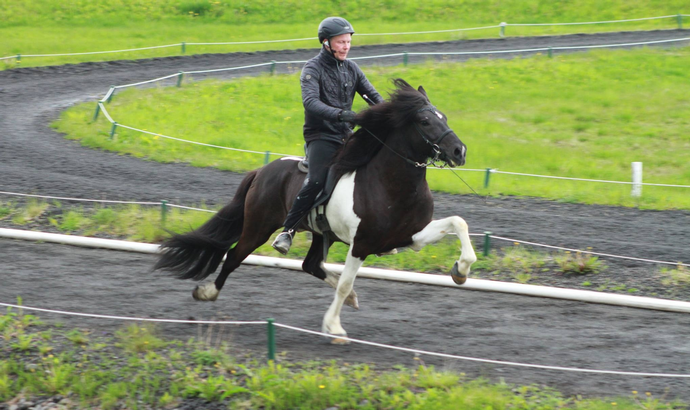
x=487, y=243
x=271, y=339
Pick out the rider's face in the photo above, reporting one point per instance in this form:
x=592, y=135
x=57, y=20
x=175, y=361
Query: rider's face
x=340, y=45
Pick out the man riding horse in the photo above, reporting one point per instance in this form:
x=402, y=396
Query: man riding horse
x=329, y=82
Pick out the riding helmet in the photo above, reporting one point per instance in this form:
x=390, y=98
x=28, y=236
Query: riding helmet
x=334, y=26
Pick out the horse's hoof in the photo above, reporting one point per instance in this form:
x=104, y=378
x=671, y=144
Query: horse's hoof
x=352, y=301
x=340, y=341
x=205, y=293
x=458, y=277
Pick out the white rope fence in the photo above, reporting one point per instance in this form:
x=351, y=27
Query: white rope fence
x=358, y=341
x=165, y=203
x=560, y=248
x=109, y=95
x=502, y=26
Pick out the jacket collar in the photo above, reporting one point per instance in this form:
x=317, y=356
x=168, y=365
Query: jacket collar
x=328, y=58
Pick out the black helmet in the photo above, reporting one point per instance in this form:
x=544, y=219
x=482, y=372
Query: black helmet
x=334, y=26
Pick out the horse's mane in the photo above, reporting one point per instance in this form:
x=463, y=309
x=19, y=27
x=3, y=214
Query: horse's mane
x=381, y=120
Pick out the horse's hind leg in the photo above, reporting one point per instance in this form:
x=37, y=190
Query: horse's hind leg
x=249, y=241
x=314, y=265
x=436, y=230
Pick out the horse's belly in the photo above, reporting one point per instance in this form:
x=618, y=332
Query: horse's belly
x=341, y=209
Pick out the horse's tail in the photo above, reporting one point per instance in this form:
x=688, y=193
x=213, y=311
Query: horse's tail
x=197, y=254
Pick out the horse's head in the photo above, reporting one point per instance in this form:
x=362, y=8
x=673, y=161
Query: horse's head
x=431, y=126
x=422, y=129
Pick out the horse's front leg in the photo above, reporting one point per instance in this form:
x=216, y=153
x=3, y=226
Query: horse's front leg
x=436, y=230
x=331, y=321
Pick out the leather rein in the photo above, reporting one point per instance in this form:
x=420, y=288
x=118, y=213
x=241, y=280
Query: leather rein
x=434, y=145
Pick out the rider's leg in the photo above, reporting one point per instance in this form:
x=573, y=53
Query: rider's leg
x=321, y=153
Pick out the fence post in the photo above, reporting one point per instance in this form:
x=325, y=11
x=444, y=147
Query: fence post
x=680, y=20
x=268, y=153
x=273, y=67
x=184, y=47
x=503, y=25
x=271, y=339
x=487, y=243
x=164, y=212
x=406, y=58
x=110, y=95
x=112, y=130
x=486, y=177
x=550, y=52
x=98, y=110
x=636, y=179
x=19, y=58
x=179, y=78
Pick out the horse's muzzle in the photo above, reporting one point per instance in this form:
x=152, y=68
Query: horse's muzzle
x=458, y=155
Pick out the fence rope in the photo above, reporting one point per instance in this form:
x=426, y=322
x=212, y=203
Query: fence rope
x=112, y=89
x=358, y=341
x=493, y=171
x=474, y=359
x=587, y=252
x=106, y=201
x=79, y=199
x=503, y=24
x=172, y=205
x=591, y=22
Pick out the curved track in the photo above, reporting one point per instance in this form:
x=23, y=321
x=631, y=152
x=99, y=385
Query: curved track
x=34, y=159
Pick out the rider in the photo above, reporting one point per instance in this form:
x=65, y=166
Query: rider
x=329, y=82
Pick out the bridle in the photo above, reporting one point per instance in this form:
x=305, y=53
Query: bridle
x=434, y=145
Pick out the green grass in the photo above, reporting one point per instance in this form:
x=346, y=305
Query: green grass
x=139, y=369
x=52, y=27
x=581, y=115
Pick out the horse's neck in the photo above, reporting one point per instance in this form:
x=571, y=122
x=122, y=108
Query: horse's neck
x=396, y=172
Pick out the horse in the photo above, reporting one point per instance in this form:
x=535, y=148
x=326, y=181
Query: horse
x=381, y=202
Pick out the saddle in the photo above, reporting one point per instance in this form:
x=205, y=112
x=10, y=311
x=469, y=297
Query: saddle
x=318, y=219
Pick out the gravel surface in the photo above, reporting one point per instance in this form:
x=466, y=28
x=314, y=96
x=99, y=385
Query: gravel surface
x=34, y=159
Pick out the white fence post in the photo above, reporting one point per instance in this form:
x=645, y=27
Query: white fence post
x=636, y=179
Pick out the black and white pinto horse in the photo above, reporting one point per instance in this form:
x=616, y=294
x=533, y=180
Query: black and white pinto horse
x=381, y=202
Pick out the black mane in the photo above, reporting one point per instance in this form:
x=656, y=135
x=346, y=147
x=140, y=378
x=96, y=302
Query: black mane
x=381, y=120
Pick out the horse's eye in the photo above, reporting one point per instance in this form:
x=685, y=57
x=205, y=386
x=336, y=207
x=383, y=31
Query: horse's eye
x=425, y=122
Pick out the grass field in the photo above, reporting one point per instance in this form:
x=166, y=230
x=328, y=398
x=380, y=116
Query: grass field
x=53, y=27
x=583, y=115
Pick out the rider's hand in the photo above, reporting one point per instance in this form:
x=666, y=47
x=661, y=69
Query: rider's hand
x=347, y=116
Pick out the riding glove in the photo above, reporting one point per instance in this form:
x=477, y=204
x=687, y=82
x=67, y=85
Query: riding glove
x=347, y=116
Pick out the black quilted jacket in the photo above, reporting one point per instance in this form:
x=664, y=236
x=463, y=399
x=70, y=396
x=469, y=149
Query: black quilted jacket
x=328, y=87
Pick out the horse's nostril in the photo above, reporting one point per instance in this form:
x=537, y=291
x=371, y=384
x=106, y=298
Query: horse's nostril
x=458, y=153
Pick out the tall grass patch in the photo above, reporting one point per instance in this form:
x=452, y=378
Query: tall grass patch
x=580, y=115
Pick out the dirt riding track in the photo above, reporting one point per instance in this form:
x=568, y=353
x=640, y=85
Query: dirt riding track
x=35, y=159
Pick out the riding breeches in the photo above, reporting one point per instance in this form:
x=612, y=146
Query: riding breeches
x=320, y=154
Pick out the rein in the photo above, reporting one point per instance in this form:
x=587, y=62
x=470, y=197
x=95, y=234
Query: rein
x=434, y=145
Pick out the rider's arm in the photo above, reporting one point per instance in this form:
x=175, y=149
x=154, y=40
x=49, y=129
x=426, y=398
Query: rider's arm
x=363, y=86
x=311, y=96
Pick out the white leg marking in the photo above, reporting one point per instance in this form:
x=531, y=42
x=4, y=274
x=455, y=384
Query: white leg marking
x=206, y=293
x=331, y=320
x=437, y=229
x=332, y=279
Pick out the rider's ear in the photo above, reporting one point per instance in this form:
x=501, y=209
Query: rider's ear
x=421, y=90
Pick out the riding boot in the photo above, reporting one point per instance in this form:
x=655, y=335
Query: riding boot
x=283, y=241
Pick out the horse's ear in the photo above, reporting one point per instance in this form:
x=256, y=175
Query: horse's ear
x=421, y=90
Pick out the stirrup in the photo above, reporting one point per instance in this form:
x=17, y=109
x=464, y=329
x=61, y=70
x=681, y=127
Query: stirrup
x=283, y=242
